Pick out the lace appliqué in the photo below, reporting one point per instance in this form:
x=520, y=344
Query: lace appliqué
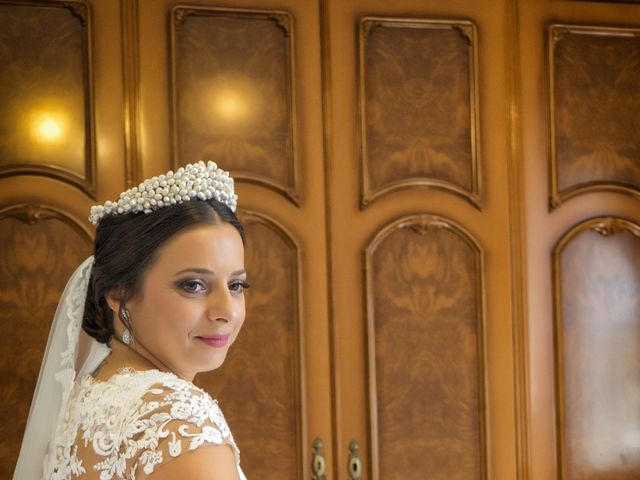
x=136, y=421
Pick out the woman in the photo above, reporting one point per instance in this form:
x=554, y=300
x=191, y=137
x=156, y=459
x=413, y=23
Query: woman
x=160, y=300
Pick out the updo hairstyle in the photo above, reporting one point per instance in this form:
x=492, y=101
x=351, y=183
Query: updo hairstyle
x=126, y=245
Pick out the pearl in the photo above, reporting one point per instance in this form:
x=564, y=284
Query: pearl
x=200, y=180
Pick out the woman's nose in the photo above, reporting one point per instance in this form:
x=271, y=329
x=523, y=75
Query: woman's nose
x=221, y=306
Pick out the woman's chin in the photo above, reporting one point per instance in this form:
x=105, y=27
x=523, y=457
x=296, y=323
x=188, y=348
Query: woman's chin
x=213, y=362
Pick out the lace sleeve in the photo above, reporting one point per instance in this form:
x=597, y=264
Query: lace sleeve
x=178, y=417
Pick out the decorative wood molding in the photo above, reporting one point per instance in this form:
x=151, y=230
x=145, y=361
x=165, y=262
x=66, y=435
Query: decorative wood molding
x=179, y=15
x=32, y=214
x=611, y=226
x=467, y=31
x=625, y=183
x=557, y=34
x=78, y=10
x=423, y=224
x=283, y=20
x=518, y=254
x=290, y=186
x=369, y=190
x=327, y=161
x=84, y=184
x=605, y=226
x=131, y=89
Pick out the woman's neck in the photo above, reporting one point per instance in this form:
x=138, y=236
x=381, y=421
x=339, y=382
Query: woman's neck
x=124, y=356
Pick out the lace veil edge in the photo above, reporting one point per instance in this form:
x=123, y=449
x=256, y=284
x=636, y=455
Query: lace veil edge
x=61, y=365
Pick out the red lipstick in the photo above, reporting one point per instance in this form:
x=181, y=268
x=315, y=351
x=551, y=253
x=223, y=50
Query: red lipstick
x=216, y=341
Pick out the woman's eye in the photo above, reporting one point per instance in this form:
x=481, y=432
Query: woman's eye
x=193, y=286
x=238, y=287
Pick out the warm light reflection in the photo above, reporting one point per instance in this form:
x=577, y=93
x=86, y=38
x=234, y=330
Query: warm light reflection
x=48, y=127
x=231, y=105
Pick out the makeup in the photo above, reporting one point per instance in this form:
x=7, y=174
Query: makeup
x=217, y=341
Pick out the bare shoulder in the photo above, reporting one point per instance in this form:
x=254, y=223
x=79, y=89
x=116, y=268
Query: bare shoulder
x=209, y=462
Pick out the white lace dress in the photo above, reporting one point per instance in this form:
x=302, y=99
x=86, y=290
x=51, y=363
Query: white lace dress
x=130, y=424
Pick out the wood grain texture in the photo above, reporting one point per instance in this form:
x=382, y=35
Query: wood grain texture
x=418, y=104
x=232, y=93
x=424, y=292
x=45, y=125
x=596, y=104
x=598, y=330
x=36, y=260
x=258, y=386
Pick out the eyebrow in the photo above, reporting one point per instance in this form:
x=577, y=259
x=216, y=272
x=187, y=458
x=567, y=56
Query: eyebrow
x=206, y=271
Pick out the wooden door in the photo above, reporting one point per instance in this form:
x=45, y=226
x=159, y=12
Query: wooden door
x=579, y=67
x=420, y=239
x=61, y=150
x=239, y=83
x=497, y=337
x=442, y=208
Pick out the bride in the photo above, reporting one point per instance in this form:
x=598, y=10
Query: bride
x=160, y=300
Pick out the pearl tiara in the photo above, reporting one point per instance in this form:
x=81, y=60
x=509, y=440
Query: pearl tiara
x=200, y=181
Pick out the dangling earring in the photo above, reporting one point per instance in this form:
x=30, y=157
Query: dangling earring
x=127, y=335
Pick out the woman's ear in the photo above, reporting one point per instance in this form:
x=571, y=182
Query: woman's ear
x=113, y=299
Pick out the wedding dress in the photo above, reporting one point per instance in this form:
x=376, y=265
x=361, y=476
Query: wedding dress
x=132, y=423
x=114, y=429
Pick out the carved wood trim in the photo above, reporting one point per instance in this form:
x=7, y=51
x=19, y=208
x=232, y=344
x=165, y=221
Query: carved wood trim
x=421, y=224
x=467, y=30
x=285, y=22
x=31, y=214
x=327, y=159
x=131, y=87
x=518, y=267
x=556, y=33
x=79, y=9
x=606, y=226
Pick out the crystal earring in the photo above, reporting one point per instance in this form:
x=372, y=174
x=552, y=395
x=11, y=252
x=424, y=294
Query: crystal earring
x=127, y=335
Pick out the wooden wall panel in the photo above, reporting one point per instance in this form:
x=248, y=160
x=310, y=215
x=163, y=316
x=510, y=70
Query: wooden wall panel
x=577, y=72
x=426, y=363
x=595, y=105
x=260, y=386
x=597, y=279
x=232, y=93
x=418, y=106
x=46, y=102
x=39, y=250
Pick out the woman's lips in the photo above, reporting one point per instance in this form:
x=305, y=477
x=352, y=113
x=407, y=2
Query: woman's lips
x=217, y=341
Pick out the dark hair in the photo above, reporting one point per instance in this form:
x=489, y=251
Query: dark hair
x=126, y=245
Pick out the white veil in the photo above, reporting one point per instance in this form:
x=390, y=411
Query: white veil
x=70, y=353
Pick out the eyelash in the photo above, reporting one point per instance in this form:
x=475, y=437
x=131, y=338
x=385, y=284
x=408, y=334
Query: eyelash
x=242, y=284
x=235, y=287
x=187, y=284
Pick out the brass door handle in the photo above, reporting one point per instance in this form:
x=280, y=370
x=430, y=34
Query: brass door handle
x=318, y=463
x=354, y=465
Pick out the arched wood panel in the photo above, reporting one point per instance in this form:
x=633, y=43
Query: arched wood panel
x=426, y=351
x=260, y=385
x=40, y=247
x=597, y=327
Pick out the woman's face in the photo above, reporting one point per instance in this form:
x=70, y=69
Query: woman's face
x=191, y=304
